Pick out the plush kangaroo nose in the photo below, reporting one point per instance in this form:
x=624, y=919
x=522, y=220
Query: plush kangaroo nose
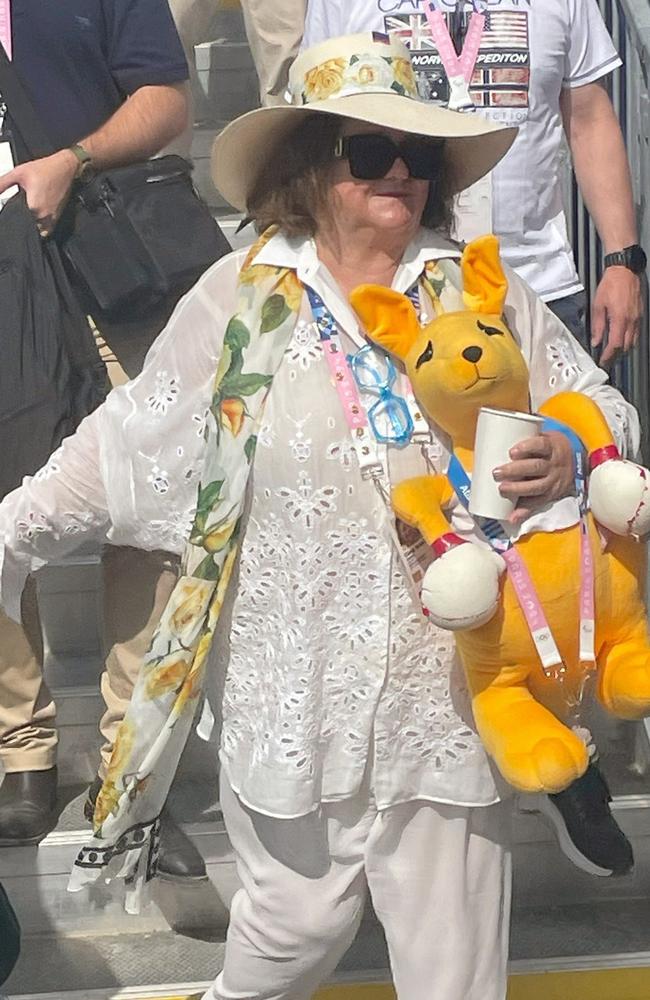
x=473, y=354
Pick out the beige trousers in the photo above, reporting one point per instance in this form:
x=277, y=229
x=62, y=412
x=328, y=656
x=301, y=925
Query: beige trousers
x=136, y=587
x=274, y=29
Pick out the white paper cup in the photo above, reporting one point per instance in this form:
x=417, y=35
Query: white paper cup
x=497, y=431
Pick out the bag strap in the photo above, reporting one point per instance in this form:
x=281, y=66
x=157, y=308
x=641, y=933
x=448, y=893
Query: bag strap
x=23, y=115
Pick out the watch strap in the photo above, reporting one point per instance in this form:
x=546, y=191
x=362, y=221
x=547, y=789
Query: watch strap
x=84, y=158
x=632, y=257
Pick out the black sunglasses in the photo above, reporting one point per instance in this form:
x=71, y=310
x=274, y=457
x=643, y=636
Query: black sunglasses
x=371, y=155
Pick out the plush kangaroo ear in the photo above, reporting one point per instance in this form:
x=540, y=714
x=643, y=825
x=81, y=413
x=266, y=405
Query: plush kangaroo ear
x=484, y=283
x=388, y=317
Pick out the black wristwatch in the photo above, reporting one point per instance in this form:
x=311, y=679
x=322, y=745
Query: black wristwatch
x=633, y=258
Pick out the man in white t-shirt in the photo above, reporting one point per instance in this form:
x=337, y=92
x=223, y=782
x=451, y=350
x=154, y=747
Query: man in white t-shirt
x=539, y=65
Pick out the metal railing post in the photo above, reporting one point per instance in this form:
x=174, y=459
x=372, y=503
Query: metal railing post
x=629, y=24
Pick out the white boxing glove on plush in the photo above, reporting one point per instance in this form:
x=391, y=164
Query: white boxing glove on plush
x=460, y=589
x=619, y=497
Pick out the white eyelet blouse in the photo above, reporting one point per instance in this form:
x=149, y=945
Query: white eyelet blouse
x=324, y=664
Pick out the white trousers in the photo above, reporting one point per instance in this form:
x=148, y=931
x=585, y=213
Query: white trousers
x=439, y=878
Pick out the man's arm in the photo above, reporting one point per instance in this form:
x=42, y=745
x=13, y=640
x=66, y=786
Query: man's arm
x=603, y=174
x=142, y=126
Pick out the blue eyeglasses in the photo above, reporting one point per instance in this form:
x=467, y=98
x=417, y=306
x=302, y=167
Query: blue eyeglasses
x=389, y=417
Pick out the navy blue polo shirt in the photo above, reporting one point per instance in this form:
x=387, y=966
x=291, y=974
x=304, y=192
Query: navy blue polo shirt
x=80, y=59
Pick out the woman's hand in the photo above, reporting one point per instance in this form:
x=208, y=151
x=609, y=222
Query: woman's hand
x=541, y=470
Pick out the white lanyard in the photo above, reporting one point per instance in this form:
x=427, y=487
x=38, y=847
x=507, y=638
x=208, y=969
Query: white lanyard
x=459, y=68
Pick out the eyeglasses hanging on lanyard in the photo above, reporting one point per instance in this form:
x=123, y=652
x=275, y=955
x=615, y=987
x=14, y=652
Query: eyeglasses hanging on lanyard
x=389, y=417
x=458, y=55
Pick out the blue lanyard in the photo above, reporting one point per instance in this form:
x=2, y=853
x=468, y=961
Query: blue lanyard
x=326, y=324
x=493, y=530
x=462, y=484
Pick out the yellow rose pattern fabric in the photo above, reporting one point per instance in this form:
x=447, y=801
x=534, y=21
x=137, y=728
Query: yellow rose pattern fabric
x=157, y=723
x=370, y=72
x=159, y=717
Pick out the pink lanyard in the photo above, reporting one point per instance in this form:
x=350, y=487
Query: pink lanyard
x=353, y=410
x=459, y=68
x=533, y=612
x=5, y=26
x=524, y=587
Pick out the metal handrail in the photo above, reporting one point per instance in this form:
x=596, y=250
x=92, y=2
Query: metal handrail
x=629, y=24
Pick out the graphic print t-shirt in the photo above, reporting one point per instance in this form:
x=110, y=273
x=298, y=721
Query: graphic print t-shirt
x=531, y=50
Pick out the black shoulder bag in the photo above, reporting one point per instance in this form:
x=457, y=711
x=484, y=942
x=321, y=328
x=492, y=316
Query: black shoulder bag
x=51, y=374
x=134, y=236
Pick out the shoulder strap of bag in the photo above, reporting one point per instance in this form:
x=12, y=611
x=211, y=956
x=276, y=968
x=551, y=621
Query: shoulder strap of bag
x=24, y=117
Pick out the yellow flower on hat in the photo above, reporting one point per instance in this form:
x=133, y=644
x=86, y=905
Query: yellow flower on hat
x=324, y=80
x=370, y=71
x=404, y=75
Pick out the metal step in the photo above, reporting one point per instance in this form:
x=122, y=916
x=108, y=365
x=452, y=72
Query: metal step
x=123, y=965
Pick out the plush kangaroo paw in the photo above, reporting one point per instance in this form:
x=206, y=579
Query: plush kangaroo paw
x=550, y=765
x=619, y=495
x=534, y=751
x=624, y=688
x=460, y=589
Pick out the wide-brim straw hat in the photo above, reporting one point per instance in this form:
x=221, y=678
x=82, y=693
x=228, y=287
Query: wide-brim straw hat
x=366, y=77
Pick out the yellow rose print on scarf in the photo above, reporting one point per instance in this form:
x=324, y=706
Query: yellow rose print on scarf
x=232, y=415
x=191, y=689
x=325, y=80
x=192, y=685
x=107, y=802
x=109, y=795
x=258, y=275
x=167, y=677
x=217, y=538
x=292, y=291
x=191, y=602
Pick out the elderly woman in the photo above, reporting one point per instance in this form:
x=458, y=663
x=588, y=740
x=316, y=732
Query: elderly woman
x=350, y=763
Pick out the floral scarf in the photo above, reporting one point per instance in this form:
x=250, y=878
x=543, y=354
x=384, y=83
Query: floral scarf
x=154, y=731
x=157, y=723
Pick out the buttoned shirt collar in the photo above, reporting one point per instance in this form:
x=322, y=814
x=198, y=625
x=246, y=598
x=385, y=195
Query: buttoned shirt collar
x=301, y=254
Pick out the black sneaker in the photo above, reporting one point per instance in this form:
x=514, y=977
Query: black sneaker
x=586, y=830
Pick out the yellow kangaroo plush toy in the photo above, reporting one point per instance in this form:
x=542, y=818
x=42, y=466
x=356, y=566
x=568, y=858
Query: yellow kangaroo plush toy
x=458, y=363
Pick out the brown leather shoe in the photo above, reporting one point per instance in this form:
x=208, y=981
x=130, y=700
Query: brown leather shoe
x=27, y=807
x=178, y=858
